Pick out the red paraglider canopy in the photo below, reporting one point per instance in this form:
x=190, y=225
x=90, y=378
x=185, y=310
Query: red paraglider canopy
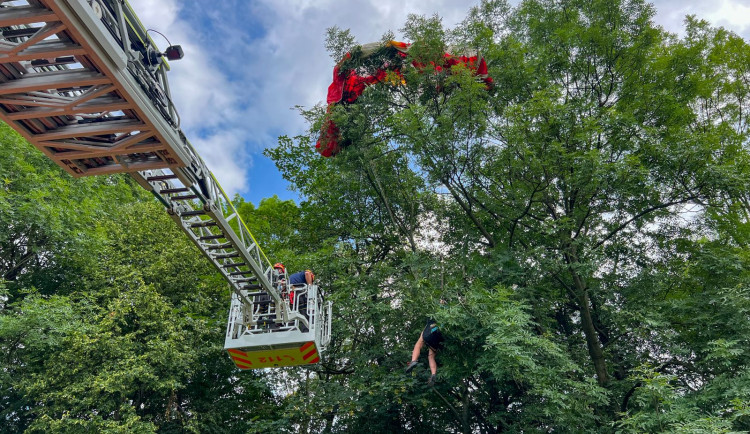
x=347, y=85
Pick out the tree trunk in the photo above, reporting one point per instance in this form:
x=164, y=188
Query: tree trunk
x=587, y=321
x=592, y=340
x=465, y=422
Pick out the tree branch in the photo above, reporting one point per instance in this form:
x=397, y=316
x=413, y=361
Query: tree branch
x=638, y=216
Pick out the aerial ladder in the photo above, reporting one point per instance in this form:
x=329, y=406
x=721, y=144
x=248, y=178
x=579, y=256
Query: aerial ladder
x=84, y=83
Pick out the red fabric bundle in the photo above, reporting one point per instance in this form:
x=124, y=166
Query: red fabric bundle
x=346, y=87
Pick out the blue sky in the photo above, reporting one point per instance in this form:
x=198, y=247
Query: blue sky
x=249, y=62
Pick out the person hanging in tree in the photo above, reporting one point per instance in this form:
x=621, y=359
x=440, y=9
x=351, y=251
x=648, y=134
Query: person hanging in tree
x=431, y=336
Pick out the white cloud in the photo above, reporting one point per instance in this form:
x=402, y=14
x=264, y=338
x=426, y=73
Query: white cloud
x=163, y=12
x=224, y=152
x=205, y=100
x=731, y=14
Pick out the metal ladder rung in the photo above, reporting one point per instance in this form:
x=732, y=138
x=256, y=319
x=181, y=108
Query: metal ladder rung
x=253, y=287
x=161, y=177
x=212, y=237
x=241, y=273
x=174, y=190
x=246, y=281
x=218, y=246
x=227, y=255
x=185, y=197
x=233, y=264
x=192, y=213
x=203, y=224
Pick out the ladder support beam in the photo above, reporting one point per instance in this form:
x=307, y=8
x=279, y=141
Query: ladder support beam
x=53, y=80
x=23, y=15
x=44, y=51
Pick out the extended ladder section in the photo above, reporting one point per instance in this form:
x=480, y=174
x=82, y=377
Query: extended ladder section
x=82, y=81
